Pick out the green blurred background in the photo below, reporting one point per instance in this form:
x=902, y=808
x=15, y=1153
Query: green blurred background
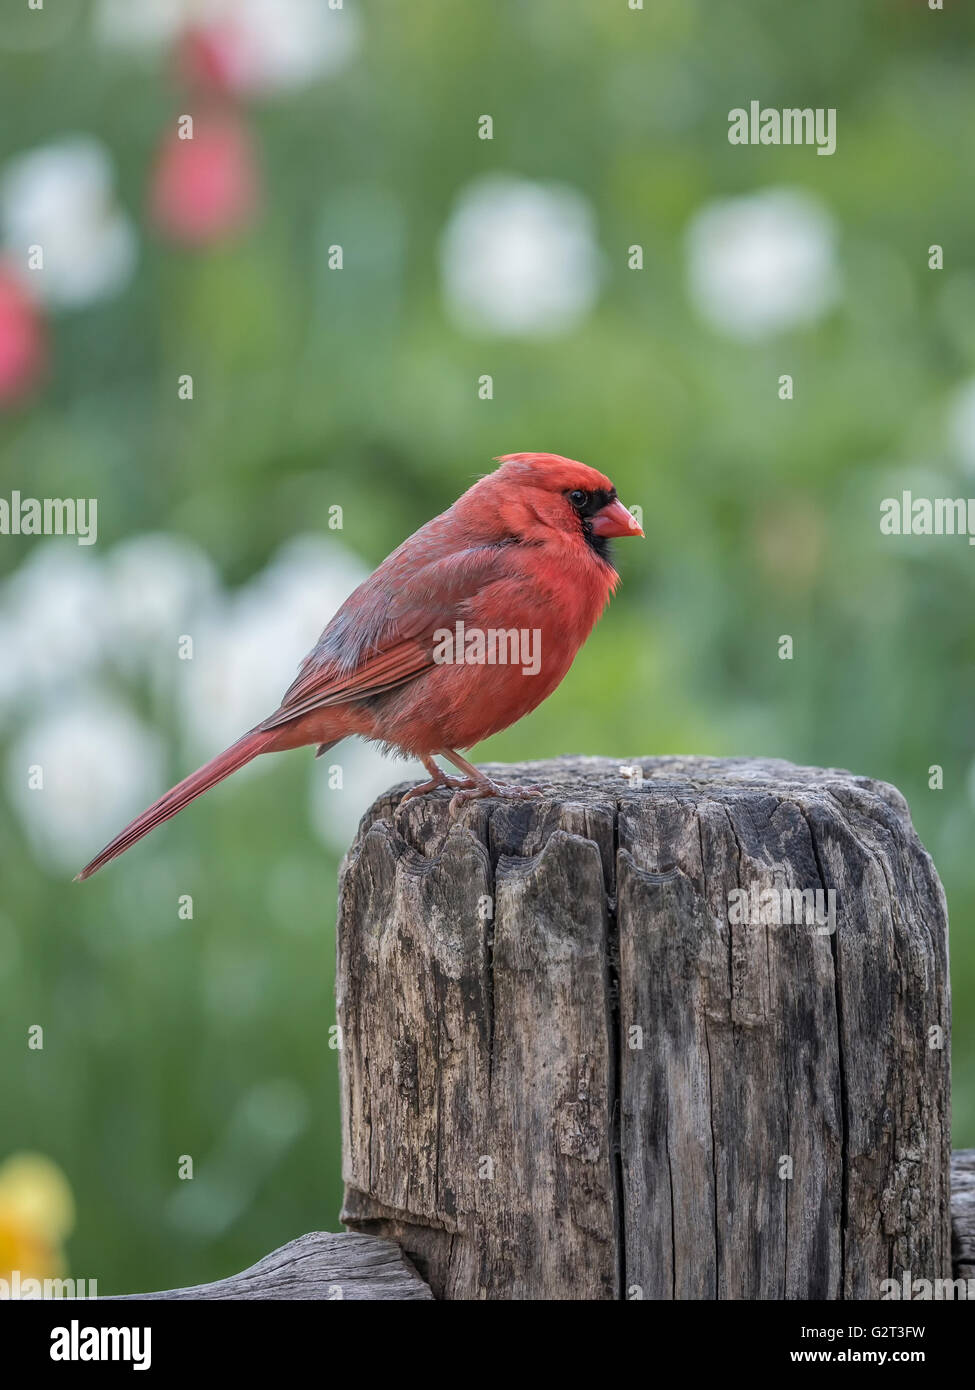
x=316, y=387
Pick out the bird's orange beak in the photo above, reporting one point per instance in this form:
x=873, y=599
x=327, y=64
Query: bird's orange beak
x=615, y=520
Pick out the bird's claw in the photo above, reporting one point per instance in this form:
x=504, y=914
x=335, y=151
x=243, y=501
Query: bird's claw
x=470, y=789
x=421, y=788
x=477, y=791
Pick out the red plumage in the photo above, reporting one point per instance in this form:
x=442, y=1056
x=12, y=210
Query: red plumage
x=523, y=550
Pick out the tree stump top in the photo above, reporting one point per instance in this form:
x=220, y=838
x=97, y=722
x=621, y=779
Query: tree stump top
x=600, y=781
x=592, y=798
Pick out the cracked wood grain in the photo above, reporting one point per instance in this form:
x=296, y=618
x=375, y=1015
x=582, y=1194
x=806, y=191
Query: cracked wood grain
x=567, y=1074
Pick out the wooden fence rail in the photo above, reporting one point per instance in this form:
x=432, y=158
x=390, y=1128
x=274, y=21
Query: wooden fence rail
x=322, y=1265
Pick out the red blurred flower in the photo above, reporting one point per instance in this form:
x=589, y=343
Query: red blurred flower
x=207, y=188
x=23, y=349
x=206, y=58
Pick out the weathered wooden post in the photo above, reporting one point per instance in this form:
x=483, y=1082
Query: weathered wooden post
x=587, y=1055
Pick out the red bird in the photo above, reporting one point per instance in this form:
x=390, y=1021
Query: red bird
x=466, y=627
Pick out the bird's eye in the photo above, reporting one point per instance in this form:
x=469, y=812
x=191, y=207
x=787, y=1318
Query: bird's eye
x=578, y=498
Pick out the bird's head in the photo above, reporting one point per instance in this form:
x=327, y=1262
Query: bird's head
x=539, y=493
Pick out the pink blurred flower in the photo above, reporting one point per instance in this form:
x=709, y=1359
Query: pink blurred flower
x=207, y=188
x=22, y=340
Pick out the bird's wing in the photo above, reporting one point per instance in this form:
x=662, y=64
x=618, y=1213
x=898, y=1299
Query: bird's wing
x=321, y=686
x=398, y=623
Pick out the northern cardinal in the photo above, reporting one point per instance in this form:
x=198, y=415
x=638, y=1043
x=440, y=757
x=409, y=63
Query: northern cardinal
x=466, y=627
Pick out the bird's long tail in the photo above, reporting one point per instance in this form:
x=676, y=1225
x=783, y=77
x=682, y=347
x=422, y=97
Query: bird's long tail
x=183, y=793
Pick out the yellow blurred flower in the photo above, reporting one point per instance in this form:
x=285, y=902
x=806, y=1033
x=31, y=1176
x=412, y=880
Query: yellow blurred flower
x=36, y=1216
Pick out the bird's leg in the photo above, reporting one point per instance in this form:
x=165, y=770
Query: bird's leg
x=478, y=786
x=438, y=778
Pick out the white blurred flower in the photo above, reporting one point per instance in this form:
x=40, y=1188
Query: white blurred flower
x=336, y=811
x=247, y=654
x=138, y=24
x=158, y=587
x=52, y=618
x=763, y=263
x=100, y=767
x=61, y=198
x=519, y=257
x=12, y=665
x=961, y=425
x=257, y=47
x=278, y=45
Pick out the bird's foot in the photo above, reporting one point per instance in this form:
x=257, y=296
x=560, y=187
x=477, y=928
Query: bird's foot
x=483, y=787
x=421, y=789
